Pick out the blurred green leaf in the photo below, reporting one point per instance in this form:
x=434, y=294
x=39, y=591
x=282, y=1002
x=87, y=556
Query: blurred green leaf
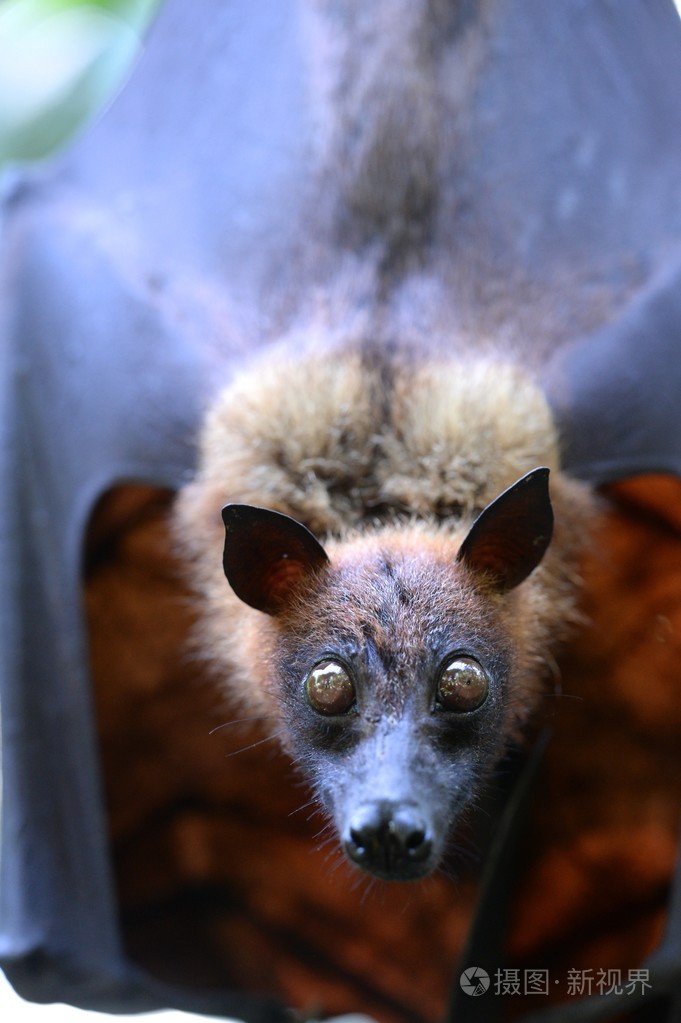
x=61, y=61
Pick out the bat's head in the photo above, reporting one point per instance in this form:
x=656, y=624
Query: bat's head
x=398, y=661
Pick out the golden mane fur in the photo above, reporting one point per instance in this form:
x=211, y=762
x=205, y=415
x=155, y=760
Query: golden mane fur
x=398, y=448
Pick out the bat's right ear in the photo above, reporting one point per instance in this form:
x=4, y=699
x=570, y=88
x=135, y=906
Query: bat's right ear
x=267, y=555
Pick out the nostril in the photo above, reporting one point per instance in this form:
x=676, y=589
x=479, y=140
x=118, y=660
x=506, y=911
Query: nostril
x=417, y=844
x=359, y=841
x=413, y=840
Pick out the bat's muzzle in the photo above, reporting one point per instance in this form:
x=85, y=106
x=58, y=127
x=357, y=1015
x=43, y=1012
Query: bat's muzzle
x=391, y=840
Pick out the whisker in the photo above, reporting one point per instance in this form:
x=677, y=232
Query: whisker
x=253, y=745
x=568, y=696
x=305, y=806
x=335, y=861
x=237, y=721
x=325, y=836
x=368, y=886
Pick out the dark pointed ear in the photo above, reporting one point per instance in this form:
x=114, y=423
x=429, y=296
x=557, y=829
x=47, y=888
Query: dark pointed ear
x=510, y=536
x=267, y=555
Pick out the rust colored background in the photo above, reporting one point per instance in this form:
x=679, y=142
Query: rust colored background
x=227, y=876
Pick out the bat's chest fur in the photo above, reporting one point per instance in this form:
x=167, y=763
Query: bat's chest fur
x=341, y=439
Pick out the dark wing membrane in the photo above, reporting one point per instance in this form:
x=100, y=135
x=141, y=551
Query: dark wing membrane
x=616, y=394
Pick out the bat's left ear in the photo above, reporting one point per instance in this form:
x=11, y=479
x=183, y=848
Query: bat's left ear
x=510, y=536
x=267, y=555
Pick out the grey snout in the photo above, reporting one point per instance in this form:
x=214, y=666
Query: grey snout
x=392, y=840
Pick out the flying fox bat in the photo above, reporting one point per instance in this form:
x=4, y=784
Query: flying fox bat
x=397, y=605
x=396, y=682
x=476, y=184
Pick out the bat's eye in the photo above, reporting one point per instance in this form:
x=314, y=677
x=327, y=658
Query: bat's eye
x=330, y=689
x=463, y=685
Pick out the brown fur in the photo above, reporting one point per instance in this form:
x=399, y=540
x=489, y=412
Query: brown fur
x=397, y=454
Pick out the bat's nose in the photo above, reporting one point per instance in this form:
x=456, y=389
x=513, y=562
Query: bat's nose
x=391, y=840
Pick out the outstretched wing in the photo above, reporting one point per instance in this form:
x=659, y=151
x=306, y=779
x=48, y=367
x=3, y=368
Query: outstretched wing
x=116, y=325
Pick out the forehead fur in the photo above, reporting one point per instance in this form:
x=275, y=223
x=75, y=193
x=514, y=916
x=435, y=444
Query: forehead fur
x=402, y=589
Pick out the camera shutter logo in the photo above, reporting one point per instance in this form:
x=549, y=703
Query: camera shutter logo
x=474, y=981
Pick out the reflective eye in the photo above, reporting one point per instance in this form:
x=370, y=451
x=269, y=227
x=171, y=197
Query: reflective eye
x=463, y=685
x=330, y=689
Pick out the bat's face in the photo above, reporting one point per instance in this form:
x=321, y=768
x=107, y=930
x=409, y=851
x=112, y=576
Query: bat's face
x=394, y=700
x=393, y=665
